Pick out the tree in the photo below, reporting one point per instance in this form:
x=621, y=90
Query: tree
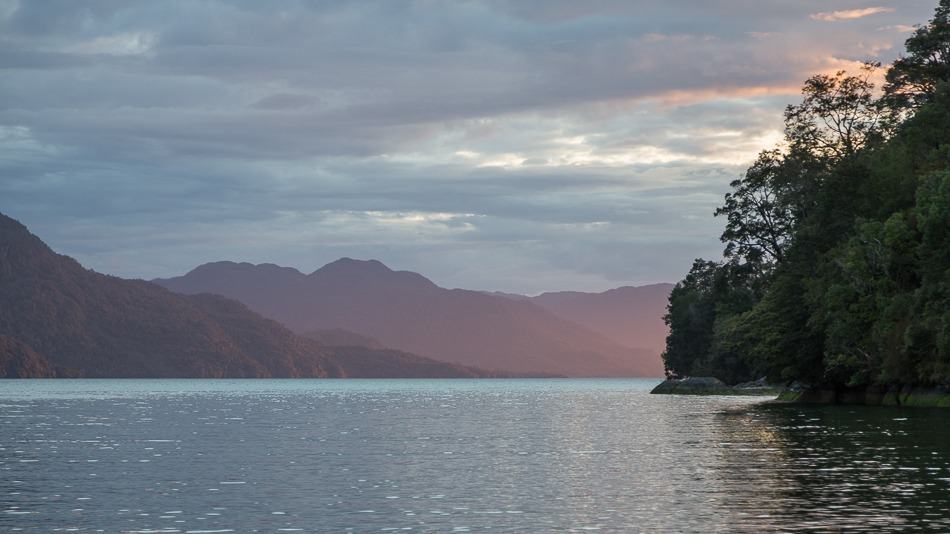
x=838, y=246
x=690, y=316
x=838, y=116
x=710, y=293
x=759, y=222
x=914, y=77
x=928, y=338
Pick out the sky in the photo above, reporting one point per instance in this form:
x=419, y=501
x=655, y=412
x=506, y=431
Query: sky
x=520, y=146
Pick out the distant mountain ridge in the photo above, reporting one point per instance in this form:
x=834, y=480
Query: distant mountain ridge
x=629, y=315
x=407, y=311
x=632, y=316
x=59, y=319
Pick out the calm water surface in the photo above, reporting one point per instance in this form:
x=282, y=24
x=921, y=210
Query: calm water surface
x=456, y=456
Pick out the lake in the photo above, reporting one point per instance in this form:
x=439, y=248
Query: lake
x=549, y=455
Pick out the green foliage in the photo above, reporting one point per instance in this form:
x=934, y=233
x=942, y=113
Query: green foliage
x=931, y=334
x=690, y=316
x=709, y=292
x=838, y=248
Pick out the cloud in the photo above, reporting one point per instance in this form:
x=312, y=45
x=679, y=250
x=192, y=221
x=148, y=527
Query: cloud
x=512, y=145
x=125, y=44
x=849, y=14
x=902, y=28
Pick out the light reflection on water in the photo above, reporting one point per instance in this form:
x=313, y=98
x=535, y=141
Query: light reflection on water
x=457, y=455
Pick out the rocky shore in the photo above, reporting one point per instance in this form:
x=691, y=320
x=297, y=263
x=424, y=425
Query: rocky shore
x=706, y=385
x=908, y=396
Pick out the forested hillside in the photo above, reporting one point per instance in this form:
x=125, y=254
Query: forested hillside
x=836, y=269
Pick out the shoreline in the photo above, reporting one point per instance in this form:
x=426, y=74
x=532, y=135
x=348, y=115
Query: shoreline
x=704, y=385
x=895, y=396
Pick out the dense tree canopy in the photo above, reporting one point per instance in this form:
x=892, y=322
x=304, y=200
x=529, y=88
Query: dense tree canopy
x=837, y=258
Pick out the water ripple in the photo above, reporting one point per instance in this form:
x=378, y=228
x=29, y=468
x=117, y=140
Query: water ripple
x=205, y=456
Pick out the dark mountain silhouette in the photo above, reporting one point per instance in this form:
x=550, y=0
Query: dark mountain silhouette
x=631, y=316
x=59, y=319
x=404, y=310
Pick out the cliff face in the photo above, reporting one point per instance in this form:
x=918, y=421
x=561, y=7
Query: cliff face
x=59, y=319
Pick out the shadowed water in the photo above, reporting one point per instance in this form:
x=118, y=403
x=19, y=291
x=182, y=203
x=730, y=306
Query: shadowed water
x=456, y=455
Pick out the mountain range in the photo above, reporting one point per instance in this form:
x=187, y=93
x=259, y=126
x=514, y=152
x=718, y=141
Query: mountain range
x=617, y=333
x=58, y=319
x=350, y=318
x=632, y=316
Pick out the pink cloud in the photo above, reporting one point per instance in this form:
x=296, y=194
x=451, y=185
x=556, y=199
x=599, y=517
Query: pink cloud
x=848, y=14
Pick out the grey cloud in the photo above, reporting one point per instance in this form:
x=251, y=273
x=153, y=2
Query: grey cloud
x=509, y=145
x=285, y=101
